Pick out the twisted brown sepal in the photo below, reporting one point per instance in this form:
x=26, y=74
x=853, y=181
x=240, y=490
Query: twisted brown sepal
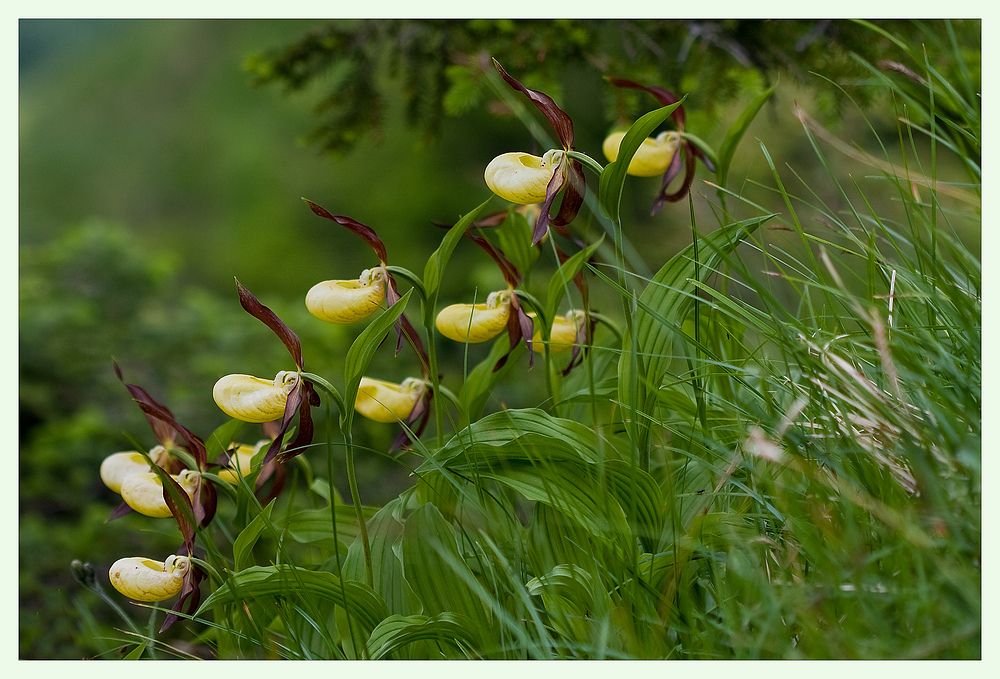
x=672, y=171
x=163, y=423
x=576, y=188
x=405, y=329
x=519, y=327
x=510, y=272
x=416, y=422
x=255, y=308
x=560, y=121
x=276, y=472
x=366, y=233
x=665, y=97
x=190, y=596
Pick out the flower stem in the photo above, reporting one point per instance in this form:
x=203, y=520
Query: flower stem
x=352, y=479
x=587, y=161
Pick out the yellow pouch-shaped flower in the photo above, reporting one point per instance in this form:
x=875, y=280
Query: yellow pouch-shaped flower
x=521, y=177
x=239, y=461
x=117, y=466
x=143, y=492
x=253, y=399
x=653, y=157
x=563, y=335
x=143, y=579
x=388, y=402
x=347, y=301
x=475, y=322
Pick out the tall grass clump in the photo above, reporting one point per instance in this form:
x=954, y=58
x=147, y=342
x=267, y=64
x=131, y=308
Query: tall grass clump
x=768, y=446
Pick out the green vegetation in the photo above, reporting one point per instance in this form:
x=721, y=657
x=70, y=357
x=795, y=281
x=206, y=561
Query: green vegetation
x=770, y=446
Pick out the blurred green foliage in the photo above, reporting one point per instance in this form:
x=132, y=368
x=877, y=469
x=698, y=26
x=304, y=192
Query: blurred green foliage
x=151, y=173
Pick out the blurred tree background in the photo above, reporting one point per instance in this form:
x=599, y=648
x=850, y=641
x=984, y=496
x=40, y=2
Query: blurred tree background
x=159, y=159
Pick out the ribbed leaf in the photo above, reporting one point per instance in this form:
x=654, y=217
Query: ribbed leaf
x=613, y=177
x=435, y=569
x=662, y=307
x=244, y=542
x=397, y=631
x=283, y=580
x=438, y=260
x=313, y=525
x=385, y=531
x=736, y=131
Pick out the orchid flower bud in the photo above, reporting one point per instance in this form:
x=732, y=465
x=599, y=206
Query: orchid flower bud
x=475, y=322
x=347, y=301
x=143, y=579
x=521, y=177
x=653, y=156
x=253, y=399
x=239, y=461
x=143, y=492
x=388, y=402
x=563, y=335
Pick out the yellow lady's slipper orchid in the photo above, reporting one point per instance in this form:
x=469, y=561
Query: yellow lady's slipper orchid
x=239, y=461
x=253, y=399
x=143, y=492
x=521, y=177
x=143, y=579
x=475, y=322
x=347, y=301
x=563, y=335
x=115, y=467
x=388, y=402
x=653, y=157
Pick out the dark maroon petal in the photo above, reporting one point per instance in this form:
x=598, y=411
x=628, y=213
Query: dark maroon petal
x=253, y=306
x=703, y=158
x=180, y=513
x=405, y=329
x=366, y=233
x=189, y=598
x=560, y=121
x=295, y=398
x=278, y=473
x=519, y=327
x=572, y=196
x=551, y=191
x=665, y=97
x=581, y=345
x=685, y=185
x=119, y=511
x=416, y=422
x=205, y=502
x=507, y=268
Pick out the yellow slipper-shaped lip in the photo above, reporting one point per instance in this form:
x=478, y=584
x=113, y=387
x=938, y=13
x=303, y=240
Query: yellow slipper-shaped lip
x=239, y=461
x=653, y=156
x=387, y=402
x=143, y=579
x=563, y=335
x=521, y=177
x=143, y=492
x=475, y=322
x=117, y=466
x=347, y=301
x=253, y=399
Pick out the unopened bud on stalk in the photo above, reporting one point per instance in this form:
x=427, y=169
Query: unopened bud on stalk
x=348, y=301
x=253, y=399
x=475, y=322
x=521, y=177
x=143, y=579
